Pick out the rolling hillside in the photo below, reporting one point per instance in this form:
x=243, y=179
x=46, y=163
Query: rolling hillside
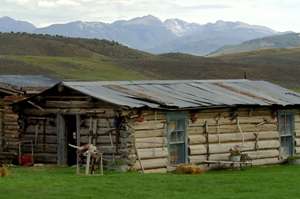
x=93, y=59
x=278, y=41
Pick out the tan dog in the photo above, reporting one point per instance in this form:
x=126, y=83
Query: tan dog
x=3, y=171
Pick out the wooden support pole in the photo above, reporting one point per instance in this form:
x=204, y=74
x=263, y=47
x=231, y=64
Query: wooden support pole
x=139, y=159
x=78, y=166
x=207, y=141
x=94, y=132
x=101, y=165
x=87, y=166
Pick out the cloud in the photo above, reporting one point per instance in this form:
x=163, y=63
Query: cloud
x=277, y=14
x=51, y=4
x=48, y=4
x=18, y=2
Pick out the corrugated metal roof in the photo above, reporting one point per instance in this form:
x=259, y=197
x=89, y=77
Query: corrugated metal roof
x=187, y=93
x=28, y=80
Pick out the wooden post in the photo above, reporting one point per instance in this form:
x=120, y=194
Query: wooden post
x=91, y=129
x=117, y=139
x=101, y=165
x=36, y=132
x=207, y=141
x=78, y=166
x=95, y=131
x=61, y=141
x=139, y=159
x=87, y=166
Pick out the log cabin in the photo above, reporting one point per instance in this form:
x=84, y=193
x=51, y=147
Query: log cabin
x=14, y=88
x=149, y=124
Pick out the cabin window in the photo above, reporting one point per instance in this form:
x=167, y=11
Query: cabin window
x=286, y=131
x=177, y=138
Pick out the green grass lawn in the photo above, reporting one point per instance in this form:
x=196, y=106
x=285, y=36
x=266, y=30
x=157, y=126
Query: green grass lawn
x=56, y=182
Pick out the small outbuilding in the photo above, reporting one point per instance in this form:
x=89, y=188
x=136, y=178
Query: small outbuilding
x=12, y=89
x=149, y=123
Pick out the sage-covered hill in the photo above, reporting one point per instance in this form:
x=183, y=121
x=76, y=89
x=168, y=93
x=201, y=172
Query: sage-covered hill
x=93, y=59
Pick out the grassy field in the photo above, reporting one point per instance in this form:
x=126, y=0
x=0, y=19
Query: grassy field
x=68, y=68
x=56, y=182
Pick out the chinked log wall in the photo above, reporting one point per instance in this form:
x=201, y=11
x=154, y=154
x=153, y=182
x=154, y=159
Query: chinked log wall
x=253, y=130
x=144, y=144
x=9, y=123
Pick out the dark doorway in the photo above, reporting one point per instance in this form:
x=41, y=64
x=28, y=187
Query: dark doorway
x=70, y=130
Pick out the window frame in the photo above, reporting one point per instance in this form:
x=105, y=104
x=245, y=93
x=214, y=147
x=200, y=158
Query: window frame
x=292, y=130
x=184, y=117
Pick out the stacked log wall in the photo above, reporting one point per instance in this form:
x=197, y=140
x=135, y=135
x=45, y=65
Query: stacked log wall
x=10, y=126
x=48, y=107
x=143, y=143
x=42, y=131
x=252, y=130
x=106, y=134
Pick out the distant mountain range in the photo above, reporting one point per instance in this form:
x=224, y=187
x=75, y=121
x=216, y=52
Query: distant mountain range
x=150, y=34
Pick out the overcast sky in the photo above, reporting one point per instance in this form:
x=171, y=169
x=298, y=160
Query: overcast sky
x=279, y=15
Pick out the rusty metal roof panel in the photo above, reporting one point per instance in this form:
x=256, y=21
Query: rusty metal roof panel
x=187, y=93
x=28, y=80
x=227, y=97
x=266, y=92
x=99, y=91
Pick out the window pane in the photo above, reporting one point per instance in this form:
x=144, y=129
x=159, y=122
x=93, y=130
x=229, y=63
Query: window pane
x=173, y=137
x=180, y=125
x=172, y=126
x=288, y=120
x=282, y=120
x=286, y=146
x=176, y=153
x=180, y=136
x=288, y=130
x=282, y=130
